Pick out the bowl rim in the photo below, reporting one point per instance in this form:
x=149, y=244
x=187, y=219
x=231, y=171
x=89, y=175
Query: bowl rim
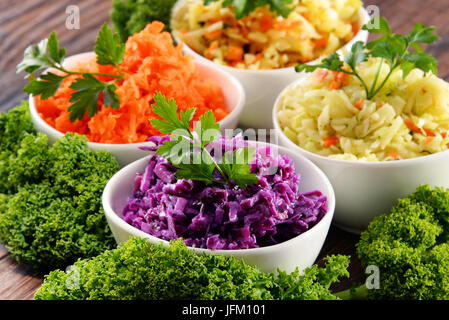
x=317, y=157
x=364, y=18
x=113, y=146
x=132, y=231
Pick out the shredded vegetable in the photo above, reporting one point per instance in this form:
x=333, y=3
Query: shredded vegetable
x=224, y=216
x=263, y=40
x=151, y=63
x=328, y=114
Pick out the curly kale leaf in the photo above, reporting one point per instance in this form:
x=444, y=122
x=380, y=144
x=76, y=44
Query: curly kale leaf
x=131, y=16
x=408, y=245
x=14, y=127
x=139, y=270
x=50, y=197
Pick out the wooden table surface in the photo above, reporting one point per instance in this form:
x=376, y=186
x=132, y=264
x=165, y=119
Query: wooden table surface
x=28, y=21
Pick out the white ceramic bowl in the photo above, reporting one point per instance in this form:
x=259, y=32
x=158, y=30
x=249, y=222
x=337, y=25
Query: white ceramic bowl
x=300, y=251
x=263, y=86
x=365, y=190
x=233, y=92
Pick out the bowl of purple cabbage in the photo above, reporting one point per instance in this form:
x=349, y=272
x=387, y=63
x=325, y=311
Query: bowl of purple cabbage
x=281, y=221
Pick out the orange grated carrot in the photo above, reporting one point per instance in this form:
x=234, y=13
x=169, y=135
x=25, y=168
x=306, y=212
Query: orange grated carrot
x=428, y=140
x=412, y=126
x=321, y=74
x=151, y=64
x=359, y=104
x=429, y=133
x=331, y=141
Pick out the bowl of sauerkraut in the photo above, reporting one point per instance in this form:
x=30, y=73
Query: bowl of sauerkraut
x=373, y=151
x=261, y=50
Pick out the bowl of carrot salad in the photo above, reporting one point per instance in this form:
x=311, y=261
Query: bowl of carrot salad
x=152, y=63
x=261, y=49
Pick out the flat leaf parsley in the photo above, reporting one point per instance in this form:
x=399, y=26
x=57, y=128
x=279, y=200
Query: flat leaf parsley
x=47, y=54
x=187, y=150
x=391, y=48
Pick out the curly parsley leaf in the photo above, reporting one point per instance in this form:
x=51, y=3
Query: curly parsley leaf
x=390, y=47
x=187, y=151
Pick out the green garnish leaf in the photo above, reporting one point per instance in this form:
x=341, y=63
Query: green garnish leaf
x=47, y=54
x=88, y=90
x=54, y=51
x=188, y=151
x=244, y=7
x=236, y=166
x=207, y=129
x=357, y=55
x=46, y=87
x=390, y=47
x=333, y=63
x=109, y=48
x=35, y=58
x=381, y=27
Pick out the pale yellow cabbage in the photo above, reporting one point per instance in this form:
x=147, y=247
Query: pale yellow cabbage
x=409, y=118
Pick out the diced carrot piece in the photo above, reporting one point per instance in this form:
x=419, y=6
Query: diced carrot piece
x=394, y=155
x=412, y=126
x=321, y=74
x=214, y=35
x=321, y=42
x=359, y=104
x=213, y=46
x=331, y=141
x=335, y=85
x=215, y=20
x=266, y=22
x=444, y=135
x=235, y=53
x=257, y=58
x=429, y=133
x=381, y=104
x=355, y=27
x=428, y=140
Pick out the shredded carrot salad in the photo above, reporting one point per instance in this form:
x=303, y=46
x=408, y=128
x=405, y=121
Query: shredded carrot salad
x=151, y=63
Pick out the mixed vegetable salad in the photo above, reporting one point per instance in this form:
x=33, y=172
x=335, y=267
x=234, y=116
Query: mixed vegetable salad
x=267, y=34
x=379, y=102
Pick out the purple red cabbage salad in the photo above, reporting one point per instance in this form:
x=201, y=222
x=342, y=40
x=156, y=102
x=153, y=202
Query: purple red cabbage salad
x=224, y=216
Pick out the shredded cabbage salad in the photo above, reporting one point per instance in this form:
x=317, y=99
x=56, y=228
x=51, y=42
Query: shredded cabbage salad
x=263, y=40
x=327, y=114
x=224, y=216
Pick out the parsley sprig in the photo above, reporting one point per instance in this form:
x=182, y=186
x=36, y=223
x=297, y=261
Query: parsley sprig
x=47, y=54
x=390, y=47
x=244, y=7
x=187, y=151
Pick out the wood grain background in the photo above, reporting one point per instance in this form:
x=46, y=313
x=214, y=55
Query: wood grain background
x=26, y=22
